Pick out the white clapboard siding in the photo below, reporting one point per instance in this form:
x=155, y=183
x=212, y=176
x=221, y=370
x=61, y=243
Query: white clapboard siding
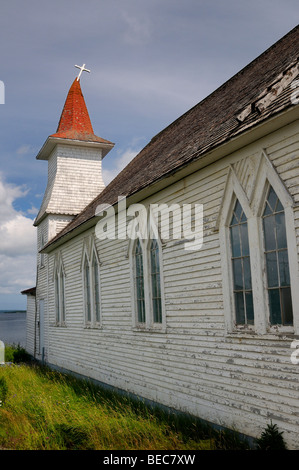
x=240, y=380
x=30, y=320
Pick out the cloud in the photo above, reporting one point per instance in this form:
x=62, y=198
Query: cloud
x=16, y=273
x=18, y=242
x=25, y=149
x=8, y=194
x=17, y=236
x=33, y=210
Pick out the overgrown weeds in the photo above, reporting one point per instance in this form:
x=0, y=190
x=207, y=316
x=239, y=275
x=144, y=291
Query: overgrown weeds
x=45, y=409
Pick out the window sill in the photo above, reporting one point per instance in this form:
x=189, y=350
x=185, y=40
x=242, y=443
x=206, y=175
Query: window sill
x=273, y=334
x=149, y=329
x=93, y=327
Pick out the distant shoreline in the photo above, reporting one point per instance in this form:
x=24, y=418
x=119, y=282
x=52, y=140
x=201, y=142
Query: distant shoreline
x=12, y=311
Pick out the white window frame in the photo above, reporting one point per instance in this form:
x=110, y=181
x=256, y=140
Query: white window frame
x=42, y=255
x=149, y=324
x=248, y=326
x=266, y=177
x=59, y=278
x=233, y=191
x=96, y=299
x=90, y=254
x=253, y=208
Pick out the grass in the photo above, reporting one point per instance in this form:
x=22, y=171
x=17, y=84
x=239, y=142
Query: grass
x=41, y=409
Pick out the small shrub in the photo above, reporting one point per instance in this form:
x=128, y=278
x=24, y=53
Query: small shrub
x=20, y=355
x=271, y=439
x=9, y=350
x=16, y=354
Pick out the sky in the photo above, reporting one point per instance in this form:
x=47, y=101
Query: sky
x=150, y=62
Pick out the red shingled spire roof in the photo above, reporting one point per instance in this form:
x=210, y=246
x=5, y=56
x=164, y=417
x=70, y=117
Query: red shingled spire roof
x=74, y=122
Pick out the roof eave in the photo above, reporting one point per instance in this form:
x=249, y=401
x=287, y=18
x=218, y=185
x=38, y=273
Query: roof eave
x=51, y=142
x=31, y=291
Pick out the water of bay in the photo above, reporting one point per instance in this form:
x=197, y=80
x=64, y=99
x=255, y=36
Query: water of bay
x=13, y=327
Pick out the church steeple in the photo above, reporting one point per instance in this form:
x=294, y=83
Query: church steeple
x=74, y=121
x=74, y=125
x=74, y=154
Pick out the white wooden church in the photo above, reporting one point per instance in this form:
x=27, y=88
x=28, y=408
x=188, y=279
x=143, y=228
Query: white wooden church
x=210, y=329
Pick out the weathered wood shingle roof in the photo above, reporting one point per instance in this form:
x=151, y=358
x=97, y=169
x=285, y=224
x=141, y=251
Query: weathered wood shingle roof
x=259, y=91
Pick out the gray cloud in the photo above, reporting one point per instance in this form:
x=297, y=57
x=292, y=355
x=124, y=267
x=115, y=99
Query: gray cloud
x=150, y=62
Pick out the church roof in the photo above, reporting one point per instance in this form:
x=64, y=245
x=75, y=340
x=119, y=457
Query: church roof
x=257, y=93
x=74, y=121
x=31, y=291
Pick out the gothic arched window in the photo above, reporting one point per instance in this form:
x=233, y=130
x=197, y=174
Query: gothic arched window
x=139, y=282
x=242, y=286
x=59, y=289
x=87, y=290
x=155, y=281
x=277, y=262
x=96, y=288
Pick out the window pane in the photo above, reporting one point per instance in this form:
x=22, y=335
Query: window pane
x=238, y=211
x=279, y=206
x=239, y=306
x=62, y=297
x=277, y=263
x=243, y=217
x=234, y=220
x=235, y=241
x=280, y=230
x=241, y=267
x=267, y=210
x=238, y=276
x=244, y=239
x=272, y=199
x=274, y=305
x=87, y=292
x=154, y=257
x=249, y=308
x=57, y=298
x=284, y=273
x=157, y=311
x=156, y=285
x=96, y=289
x=247, y=273
x=139, y=283
x=272, y=273
x=140, y=301
x=286, y=302
x=269, y=233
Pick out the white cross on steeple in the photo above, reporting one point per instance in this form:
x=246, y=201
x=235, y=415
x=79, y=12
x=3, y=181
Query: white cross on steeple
x=82, y=69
